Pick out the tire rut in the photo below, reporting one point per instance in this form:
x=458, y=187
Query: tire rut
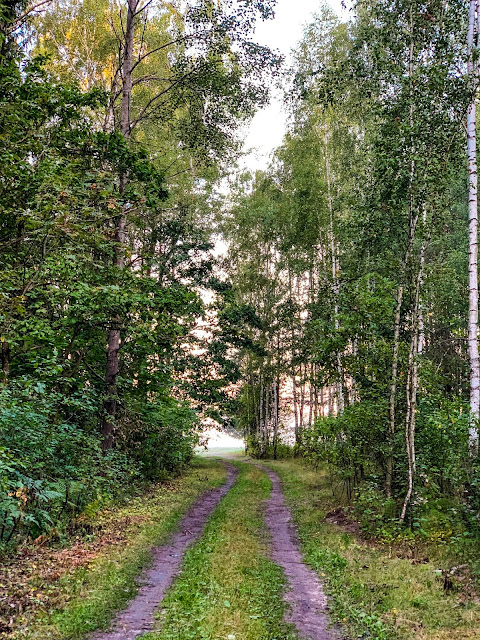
x=305, y=594
x=138, y=617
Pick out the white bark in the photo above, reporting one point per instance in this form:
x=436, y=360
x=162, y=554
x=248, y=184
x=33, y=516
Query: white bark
x=412, y=377
x=393, y=393
x=473, y=246
x=275, y=418
x=416, y=350
x=335, y=274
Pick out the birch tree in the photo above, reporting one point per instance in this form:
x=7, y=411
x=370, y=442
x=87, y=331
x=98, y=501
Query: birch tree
x=472, y=42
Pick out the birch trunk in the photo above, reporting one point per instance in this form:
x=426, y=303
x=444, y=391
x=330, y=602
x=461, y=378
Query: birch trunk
x=412, y=377
x=473, y=246
x=114, y=333
x=275, y=417
x=393, y=393
x=311, y=392
x=336, y=283
x=331, y=405
x=295, y=406
x=260, y=417
x=301, y=401
x=416, y=348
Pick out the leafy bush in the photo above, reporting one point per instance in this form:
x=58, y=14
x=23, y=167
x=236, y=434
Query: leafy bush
x=51, y=471
x=349, y=442
x=446, y=499
x=162, y=439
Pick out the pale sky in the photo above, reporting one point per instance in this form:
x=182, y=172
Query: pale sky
x=266, y=131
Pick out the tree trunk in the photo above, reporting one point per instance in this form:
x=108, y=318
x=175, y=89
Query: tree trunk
x=275, y=417
x=5, y=358
x=473, y=247
x=336, y=282
x=331, y=405
x=393, y=393
x=260, y=418
x=295, y=406
x=114, y=333
x=301, y=406
x=412, y=372
x=266, y=432
x=416, y=348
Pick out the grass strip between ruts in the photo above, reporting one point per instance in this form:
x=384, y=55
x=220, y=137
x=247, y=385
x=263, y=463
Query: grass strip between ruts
x=229, y=588
x=89, y=597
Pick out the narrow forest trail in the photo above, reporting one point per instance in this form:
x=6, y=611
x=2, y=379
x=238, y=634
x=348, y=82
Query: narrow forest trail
x=138, y=617
x=306, y=604
x=305, y=594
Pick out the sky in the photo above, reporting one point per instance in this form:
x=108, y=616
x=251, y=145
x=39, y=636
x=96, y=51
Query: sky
x=266, y=131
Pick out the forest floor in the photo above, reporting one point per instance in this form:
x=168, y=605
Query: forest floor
x=219, y=550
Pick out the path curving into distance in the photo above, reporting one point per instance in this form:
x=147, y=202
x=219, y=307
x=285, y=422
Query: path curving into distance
x=305, y=595
x=138, y=617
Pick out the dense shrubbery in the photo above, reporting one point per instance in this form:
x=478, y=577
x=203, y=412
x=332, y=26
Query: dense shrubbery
x=163, y=440
x=347, y=442
x=105, y=237
x=445, y=503
x=52, y=470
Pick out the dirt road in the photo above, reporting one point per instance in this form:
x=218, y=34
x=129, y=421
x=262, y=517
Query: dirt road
x=307, y=603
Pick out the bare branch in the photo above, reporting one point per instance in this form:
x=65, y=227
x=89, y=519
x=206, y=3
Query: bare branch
x=145, y=6
x=144, y=111
x=163, y=46
x=179, y=173
x=91, y=369
x=142, y=39
x=35, y=7
x=152, y=77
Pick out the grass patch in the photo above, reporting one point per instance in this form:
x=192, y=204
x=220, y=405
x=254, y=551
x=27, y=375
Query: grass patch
x=229, y=588
x=87, y=599
x=374, y=593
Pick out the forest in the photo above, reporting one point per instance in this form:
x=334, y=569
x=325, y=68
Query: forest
x=325, y=308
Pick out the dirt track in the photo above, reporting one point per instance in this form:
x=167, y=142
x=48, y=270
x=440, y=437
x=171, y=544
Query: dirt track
x=308, y=608
x=138, y=618
x=305, y=595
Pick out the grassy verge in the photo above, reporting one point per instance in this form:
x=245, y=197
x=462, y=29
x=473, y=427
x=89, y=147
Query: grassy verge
x=229, y=589
x=375, y=592
x=85, y=599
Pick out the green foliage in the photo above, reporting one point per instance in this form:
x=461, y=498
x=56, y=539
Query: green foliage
x=70, y=276
x=50, y=470
x=377, y=514
x=352, y=249
x=349, y=442
x=164, y=440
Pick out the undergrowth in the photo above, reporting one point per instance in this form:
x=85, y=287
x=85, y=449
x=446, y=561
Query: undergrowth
x=85, y=600
x=377, y=592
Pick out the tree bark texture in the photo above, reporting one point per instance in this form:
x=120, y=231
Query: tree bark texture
x=473, y=244
x=114, y=333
